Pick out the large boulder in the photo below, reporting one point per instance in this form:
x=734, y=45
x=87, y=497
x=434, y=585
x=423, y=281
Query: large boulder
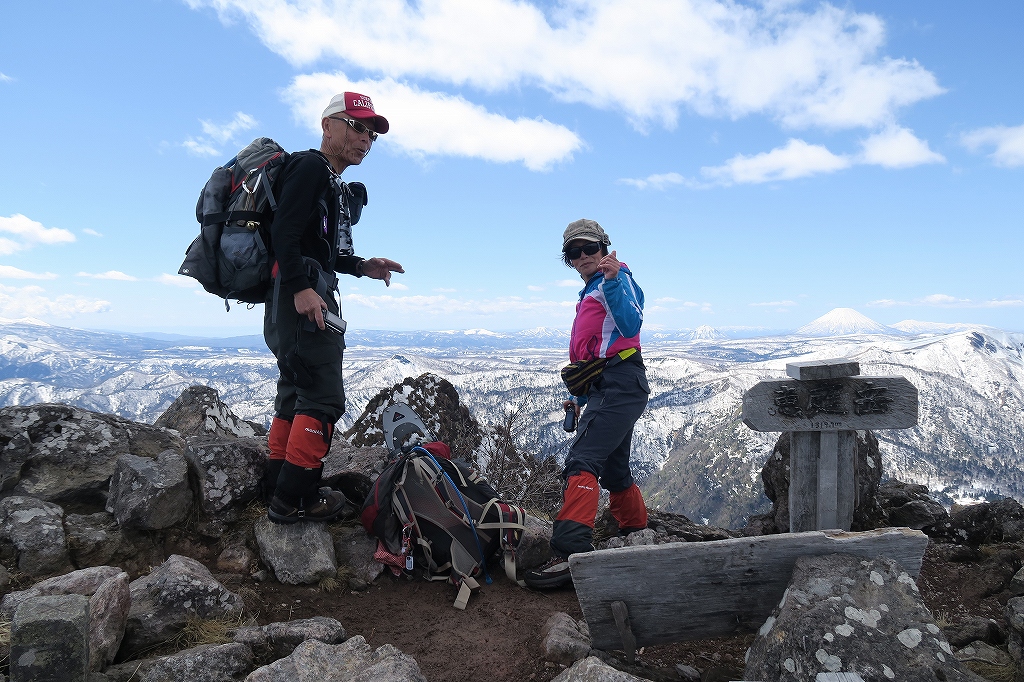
x=909, y=505
x=353, y=661
x=150, y=493
x=32, y=536
x=206, y=663
x=277, y=640
x=109, y=602
x=198, y=411
x=97, y=540
x=1015, y=629
x=58, y=453
x=353, y=469
x=164, y=600
x=983, y=524
x=436, y=402
x=50, y=639
x=535, y=546
x=228, y=474
x=868, y=512
x=298, y=553
x=842, y=613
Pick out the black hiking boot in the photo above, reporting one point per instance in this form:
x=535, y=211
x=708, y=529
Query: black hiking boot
x=549, y=576
x=299, y=497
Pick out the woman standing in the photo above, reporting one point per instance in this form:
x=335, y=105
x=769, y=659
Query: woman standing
x=607, y=325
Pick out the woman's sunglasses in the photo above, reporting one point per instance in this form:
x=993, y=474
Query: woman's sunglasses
x=590, y=249
x=356, y=126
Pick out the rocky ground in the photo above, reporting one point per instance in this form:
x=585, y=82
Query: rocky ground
x=190, y=561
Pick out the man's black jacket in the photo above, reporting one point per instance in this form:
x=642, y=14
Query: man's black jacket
x=298, y=227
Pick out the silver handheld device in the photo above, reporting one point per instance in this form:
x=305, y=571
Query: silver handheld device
x=334, y=323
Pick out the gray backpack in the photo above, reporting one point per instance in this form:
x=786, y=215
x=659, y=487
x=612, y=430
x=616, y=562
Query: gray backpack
x=231, y=256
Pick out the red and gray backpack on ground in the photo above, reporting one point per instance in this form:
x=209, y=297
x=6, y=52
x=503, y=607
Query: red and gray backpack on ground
x=441, y=515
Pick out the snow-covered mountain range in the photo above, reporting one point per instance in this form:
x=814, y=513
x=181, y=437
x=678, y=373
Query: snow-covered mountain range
x=692, y=453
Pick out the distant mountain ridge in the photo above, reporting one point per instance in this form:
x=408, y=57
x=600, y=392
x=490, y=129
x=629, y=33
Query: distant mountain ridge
x=691, y=452
x=843, y=321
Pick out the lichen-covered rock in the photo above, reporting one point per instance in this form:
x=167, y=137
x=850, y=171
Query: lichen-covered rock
x=97, y=540
x=436, y=402
x=593, y=669
x=535, y=546
x=1015, y=628
x=277, y=640
x=974, y=629
x=150, y=493
x=353, y=661
x=35, y=530
x=298, y=553
x=106, y=587
x=163, y=601
x=228, y=471
x=868, y=512
x=236, y=558
x=50, y=638
x=665, y=527
x=564, y=640
x=206, y=663
x=198, y=411
x=983, y=524
x=57, y=452
x=842, y=613
x=354, y=549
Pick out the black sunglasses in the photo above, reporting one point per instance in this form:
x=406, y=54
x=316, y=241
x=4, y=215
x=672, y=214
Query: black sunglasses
x=356, y=126
x=589, y=248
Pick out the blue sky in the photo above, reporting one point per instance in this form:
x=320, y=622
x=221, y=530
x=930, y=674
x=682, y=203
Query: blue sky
x=756, y=164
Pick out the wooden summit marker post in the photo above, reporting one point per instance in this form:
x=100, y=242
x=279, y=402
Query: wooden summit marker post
x=822, y=407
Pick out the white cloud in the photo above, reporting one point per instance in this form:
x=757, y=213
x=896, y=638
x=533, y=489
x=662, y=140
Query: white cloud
x=4, y=78
x=176, y=281
x=433, y=123
x=657, y=181
x=91, y=232
x=444, y=305
x=946, y=301
x=534, y=287
x=399, y=286
x=216, y=134
x=1007, y=144
x=29, y=233
x=110, y=274
x=9, y=272
x=796, y=160
x=32, y=301
x=897, y=147
x=774, y=304
x=819, y=66
x=445, y=291
x=576, y=283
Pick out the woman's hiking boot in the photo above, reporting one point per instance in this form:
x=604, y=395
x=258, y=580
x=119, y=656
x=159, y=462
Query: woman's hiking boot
x=552, y=574
x=299, y=497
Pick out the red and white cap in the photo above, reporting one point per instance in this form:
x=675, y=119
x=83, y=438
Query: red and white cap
x=356, y=106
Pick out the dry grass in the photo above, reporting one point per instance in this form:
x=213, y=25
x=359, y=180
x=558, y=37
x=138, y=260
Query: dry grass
x=328, y=584
x=200, y=631
x=5, y=634
x=995, y=673
x=942, y=619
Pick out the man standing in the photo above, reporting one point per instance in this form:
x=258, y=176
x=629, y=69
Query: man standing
x=311, y=238
x=607, y=327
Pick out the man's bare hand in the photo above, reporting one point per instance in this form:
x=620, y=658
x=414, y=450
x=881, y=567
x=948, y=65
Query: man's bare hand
x=609, y=265
x=566, y=404
x=309, y=303
x=381, y=268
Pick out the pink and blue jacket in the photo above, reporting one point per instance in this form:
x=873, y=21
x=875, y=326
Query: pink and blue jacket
x=608, y=317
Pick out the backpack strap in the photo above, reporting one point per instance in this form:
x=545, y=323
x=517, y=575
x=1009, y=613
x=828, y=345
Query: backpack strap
x=465, y=590
x=512, y=524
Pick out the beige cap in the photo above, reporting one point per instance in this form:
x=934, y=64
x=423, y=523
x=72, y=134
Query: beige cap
x=584, y=229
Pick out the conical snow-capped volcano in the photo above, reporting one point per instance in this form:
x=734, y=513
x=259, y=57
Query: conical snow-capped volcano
x=706, y=332
x=842, y=321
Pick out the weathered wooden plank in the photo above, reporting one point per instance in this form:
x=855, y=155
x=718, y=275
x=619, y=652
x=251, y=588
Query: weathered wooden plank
x=823, y=369
x=696, y=590
x=620, y=614
x=828, y=479
x=843, y=404
x=803, y=481
x=846, y=479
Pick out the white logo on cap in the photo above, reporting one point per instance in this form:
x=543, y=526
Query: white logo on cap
x=362, y=102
